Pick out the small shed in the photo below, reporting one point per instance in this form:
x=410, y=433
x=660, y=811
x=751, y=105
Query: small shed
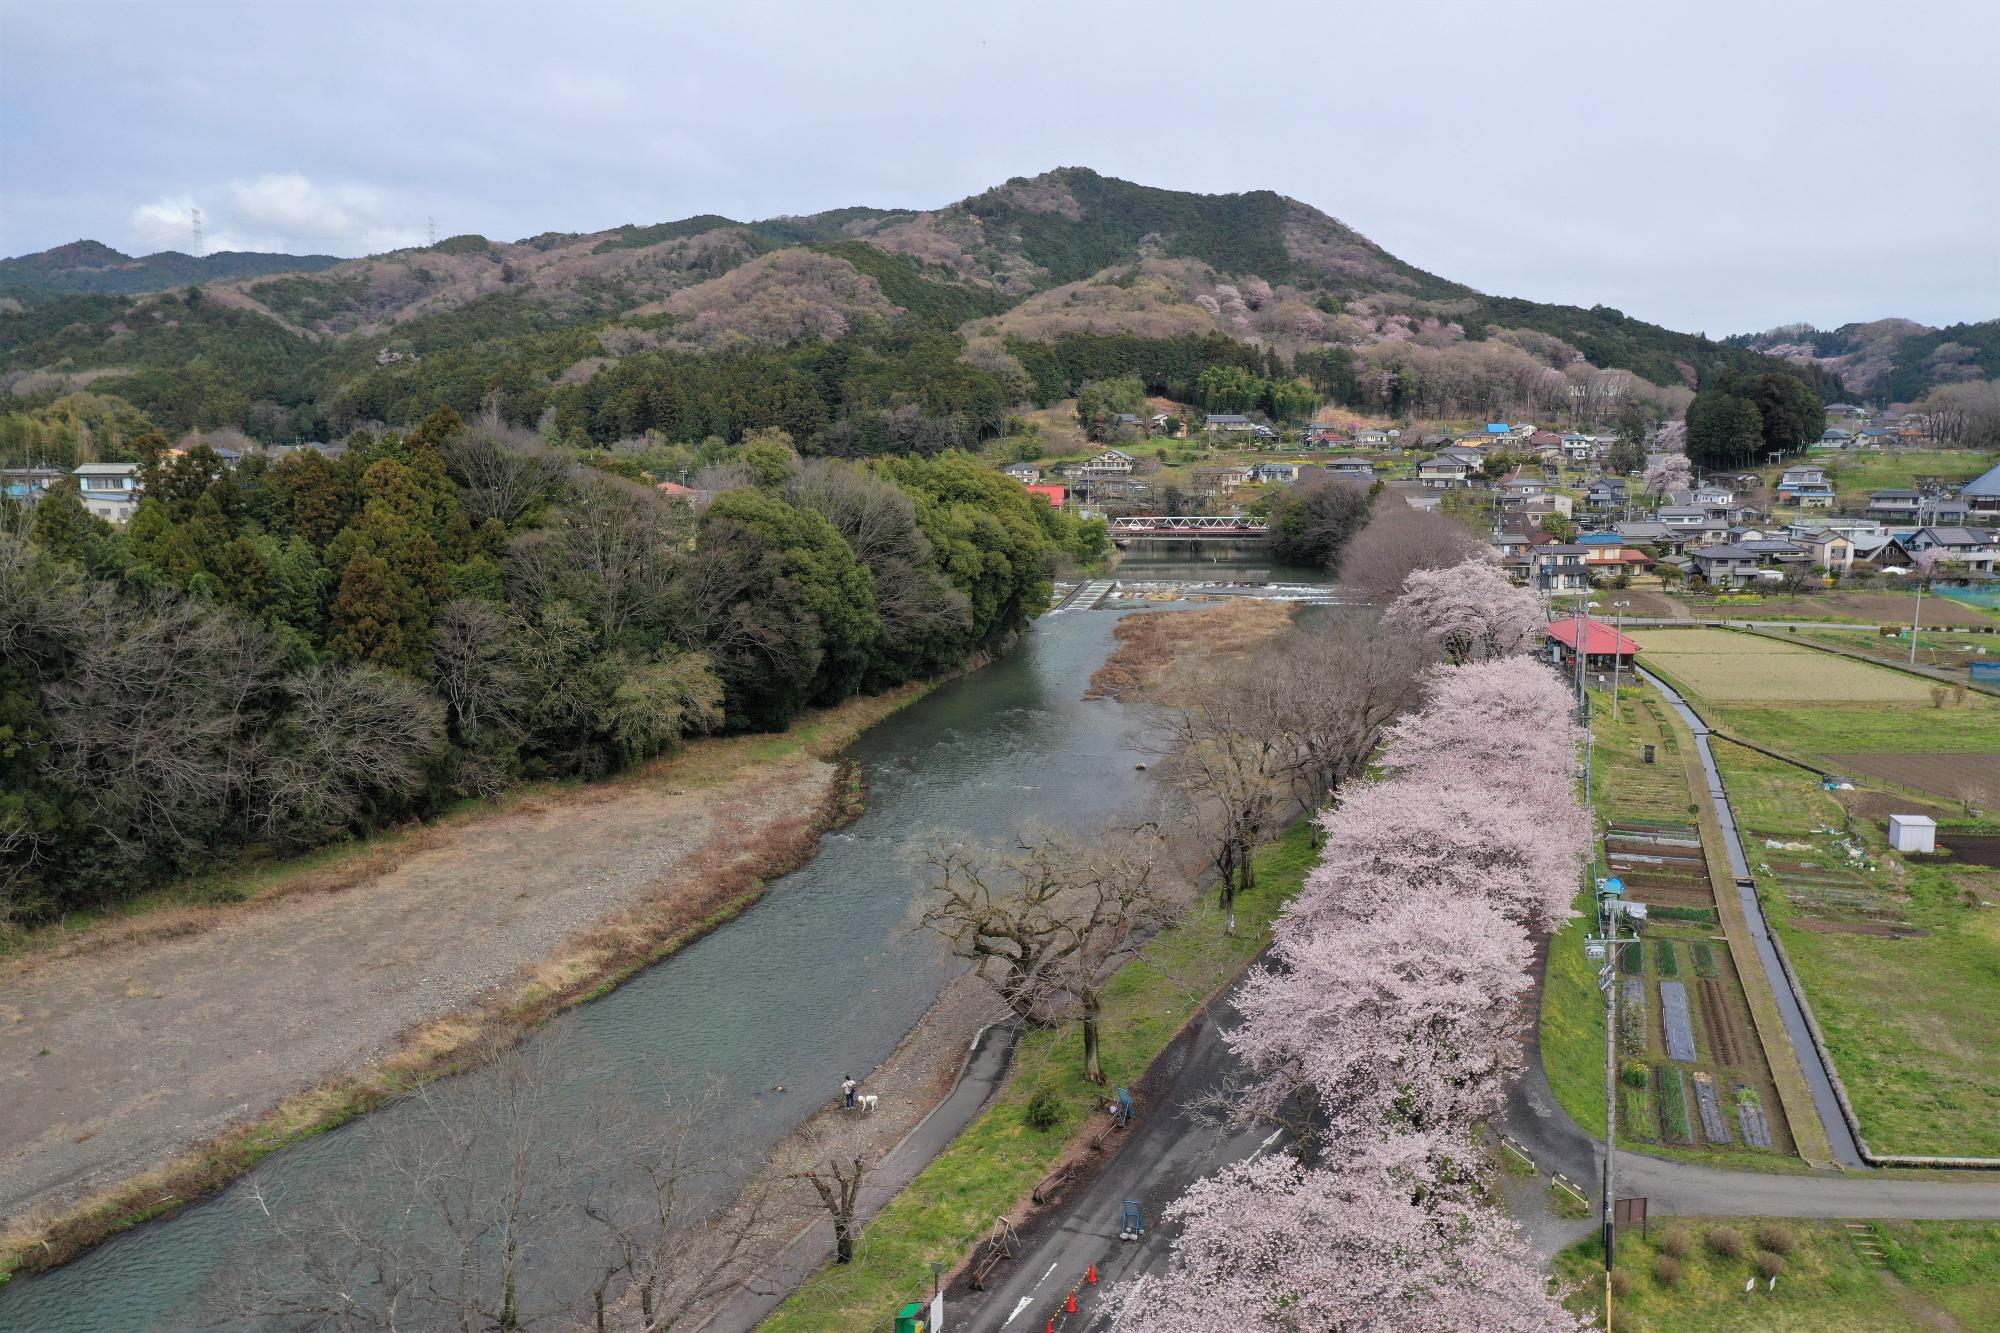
x=1913, y=833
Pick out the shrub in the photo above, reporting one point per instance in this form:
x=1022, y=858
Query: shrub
x=1776, y=1239
x=1768, y=1264
x=1634, y=1074
x=1666, y=1270
x=1621, y=1284
x=1675, y=1244
x=1043, y=1111
x=1726, y=1242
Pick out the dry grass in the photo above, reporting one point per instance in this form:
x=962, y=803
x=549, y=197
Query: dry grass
x=1149, y=646
x=703, y=892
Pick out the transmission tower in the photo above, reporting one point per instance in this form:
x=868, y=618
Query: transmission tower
x=195, y=214
x=432, y=223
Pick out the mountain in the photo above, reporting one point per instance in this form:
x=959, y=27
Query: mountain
x=88, y=266
x=1017, y=294
x=1887, y=360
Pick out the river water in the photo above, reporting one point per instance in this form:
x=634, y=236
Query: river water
x=820, y=977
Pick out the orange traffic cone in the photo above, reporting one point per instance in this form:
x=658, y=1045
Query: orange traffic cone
x=1091, y=1276
x=1071, y=1307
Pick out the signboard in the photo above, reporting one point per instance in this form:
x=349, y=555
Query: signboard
x=937, y=1313
x=1627, y=1212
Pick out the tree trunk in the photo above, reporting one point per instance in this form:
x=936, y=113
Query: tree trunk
x=1092, y=1070
x=843, y=1243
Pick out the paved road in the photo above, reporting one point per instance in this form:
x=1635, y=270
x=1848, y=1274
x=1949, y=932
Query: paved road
x=1166, y=1151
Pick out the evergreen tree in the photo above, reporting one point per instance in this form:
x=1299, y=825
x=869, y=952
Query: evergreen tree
x=63, y=527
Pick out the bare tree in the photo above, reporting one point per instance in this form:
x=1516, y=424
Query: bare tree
x=504, y=472
x=1227, y=754
x=1399, y=540
x=1047, y=919
x=349, y=738
x=837, y=1182
x=614, y=552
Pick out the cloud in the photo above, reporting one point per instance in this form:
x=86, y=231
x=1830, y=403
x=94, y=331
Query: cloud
x=277, y=212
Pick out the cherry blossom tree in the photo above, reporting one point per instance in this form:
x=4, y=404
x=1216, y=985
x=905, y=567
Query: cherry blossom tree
x=1368, y=1248
x=1468, y=611
x=1497, y=718
x=1407, y=1017
x=1467, y=839
x=1667, y=472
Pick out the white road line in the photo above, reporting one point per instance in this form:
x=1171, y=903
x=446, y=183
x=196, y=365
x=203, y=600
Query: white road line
x=1025, y=1303
x=1045, y=1276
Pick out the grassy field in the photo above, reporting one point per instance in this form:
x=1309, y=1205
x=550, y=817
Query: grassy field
x=1949, y=650
x=989, y=1169
x=1855, y=473
x=1855, y=606
x=1930, y=1276
x=1727, y=667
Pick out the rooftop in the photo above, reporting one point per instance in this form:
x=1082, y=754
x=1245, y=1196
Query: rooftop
x=1599, y=639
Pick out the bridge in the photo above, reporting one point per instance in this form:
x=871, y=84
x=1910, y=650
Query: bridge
x=1179, y=527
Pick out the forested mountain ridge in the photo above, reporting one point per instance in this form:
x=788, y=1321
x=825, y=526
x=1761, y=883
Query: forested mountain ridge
x=858, y=331
x=88, y=266
x=1887, y=360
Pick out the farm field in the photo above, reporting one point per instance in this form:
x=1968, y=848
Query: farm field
x=1712, y=1099
x=1972, y=777
x=1726, y=667
x=1856, y=473
x=1929, y=1276
x=1950, y=650
x=1871, y=608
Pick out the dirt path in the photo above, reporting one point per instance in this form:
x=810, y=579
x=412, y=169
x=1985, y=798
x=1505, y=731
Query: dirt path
x=115, y=1058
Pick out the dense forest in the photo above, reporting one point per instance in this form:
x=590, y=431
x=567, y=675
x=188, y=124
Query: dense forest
x=279, y=654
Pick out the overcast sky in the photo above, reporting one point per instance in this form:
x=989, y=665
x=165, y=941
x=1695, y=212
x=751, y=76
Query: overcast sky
x=1716, y=167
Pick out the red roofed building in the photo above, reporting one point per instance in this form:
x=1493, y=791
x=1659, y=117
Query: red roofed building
x=1602, y=645
x=675, y=488
x=1055, y=495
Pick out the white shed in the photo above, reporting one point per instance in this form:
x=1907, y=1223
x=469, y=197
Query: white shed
x=1913, y=833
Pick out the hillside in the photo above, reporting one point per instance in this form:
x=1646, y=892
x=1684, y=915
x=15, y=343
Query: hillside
x=87, y=266
x=834, y=323
x=1887, y=360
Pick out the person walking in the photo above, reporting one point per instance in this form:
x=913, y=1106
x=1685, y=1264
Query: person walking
x=847, y=1087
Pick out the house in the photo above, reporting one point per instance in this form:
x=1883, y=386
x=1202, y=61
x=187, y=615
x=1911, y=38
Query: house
x=1109, y=464
x=1974, y=548
x=1603, y=646
x=1558, y=567
x=26, y=485
x=675, y=491
x=1880, y=549
x=1713, y=495
x=1982, y=495
x=110, y=490
x=1056, y=495
x=1538, y=507
x=1611, y=558
x=1812, y=497
x=1646, y=533
x=1732, y=565
x=1894, y=504
x=1805, y=474
x=1829, y=550
x=1681, y=516
x=1265, y=473
x=1126, y=421
x=1846, y=411
x=1835, y=438
x=1323, y=435
x=1873, y=437
x=1447, y=470
x=1351, y=469
x=1025, y=473
x=1230, y=423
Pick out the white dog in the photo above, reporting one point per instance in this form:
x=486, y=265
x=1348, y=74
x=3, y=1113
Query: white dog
x=866, y=1101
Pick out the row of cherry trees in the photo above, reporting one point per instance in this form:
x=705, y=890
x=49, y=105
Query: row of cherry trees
x=1388, y=1024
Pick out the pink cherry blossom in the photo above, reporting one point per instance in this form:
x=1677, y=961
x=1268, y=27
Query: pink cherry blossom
x=1468, y=611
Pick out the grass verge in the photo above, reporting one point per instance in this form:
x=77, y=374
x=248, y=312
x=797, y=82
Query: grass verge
x=1930, y=1275
x=589, y=965
x=989, y=1169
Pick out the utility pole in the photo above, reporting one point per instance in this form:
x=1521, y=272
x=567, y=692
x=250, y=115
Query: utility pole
x=1915, y=617
x=1617, y=654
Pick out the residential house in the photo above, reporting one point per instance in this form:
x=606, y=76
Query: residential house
x=1577, y=448
x=1537, y=507
x=1558, y=567
x=1608, y=559
x=1351, y=469
x=1127, y=421
x=1873, y=437
x=110, y=490
x=1845, y=411
x=1894, y=504
x=1712, y=494
x=1450, y=469
x=1646, y=533
x=1265, y=473
x=1025, y=473
x=1682, y=516
x=1732, y=565
x=1230, y=423
x=1982, y=495
x=1055, y=494
x=1973, y=548
x=1883, y=550
x=1806, y=486
x=1829, y=550
x=1943, y=513
x=1603, y=646
x=1112, y=463
x=1372, y=438
x=26, y=485
x=1835, y=438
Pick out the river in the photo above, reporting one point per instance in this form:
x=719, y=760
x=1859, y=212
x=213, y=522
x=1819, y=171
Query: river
x=818, y=978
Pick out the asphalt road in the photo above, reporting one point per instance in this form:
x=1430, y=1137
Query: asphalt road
x=1166, y=1150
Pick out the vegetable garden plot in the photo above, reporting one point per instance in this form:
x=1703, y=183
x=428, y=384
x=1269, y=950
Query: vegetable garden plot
x=1632, y=1016
x=1679, y=1028
x=1673, y=1107
x=1727, y=1041
x=1631, y=958
x=1751, y=1119
x=1704, y=958
x=1709, y=1102
x=1669, y=962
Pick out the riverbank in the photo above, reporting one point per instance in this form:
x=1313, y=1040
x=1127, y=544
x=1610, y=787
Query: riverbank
x=155, y=1057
